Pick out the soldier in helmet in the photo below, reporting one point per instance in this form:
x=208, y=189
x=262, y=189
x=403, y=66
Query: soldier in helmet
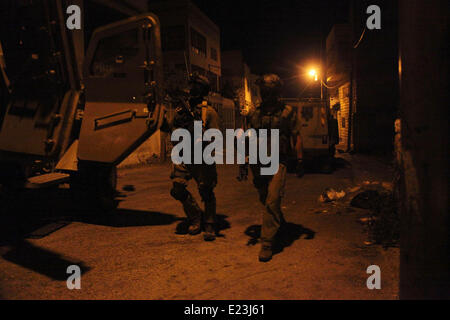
x=273, y=114
x=188, y=109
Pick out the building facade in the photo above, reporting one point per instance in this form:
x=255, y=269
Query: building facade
x=190, y=40
x=338, y=62
x=239, y=83
x=362, y=78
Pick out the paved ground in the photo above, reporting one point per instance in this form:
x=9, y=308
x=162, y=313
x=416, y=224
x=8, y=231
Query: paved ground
x=135, y=253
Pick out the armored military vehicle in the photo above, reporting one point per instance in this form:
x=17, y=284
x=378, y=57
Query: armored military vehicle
x=71, y=114
x=318, y=131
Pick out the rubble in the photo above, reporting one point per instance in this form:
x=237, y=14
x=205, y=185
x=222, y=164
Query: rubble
x=331, y=195
x=367, y=199
x=354, y=189
x=382, y=221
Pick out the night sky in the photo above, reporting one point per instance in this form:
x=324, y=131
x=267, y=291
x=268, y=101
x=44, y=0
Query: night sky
x=276, y=36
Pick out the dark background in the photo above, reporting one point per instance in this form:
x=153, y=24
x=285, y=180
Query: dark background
x=283, y=37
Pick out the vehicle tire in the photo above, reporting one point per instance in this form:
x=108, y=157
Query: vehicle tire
x=95, y=185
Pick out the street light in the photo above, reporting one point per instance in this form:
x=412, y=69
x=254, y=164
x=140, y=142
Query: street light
x=313, y=73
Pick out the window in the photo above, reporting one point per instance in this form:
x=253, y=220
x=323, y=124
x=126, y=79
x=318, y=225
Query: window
x=172, y=38
x=213, y=54
x=343, y=122
x=212, y=77
x=115, y=53
x=198, y=42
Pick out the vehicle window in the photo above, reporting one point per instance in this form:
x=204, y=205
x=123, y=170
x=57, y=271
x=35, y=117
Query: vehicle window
x=114, y=53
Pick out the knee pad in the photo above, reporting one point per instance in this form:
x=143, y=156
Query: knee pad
x=179, y=192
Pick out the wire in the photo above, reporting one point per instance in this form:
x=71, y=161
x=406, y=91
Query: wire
x=360, y=39
x=328, y=87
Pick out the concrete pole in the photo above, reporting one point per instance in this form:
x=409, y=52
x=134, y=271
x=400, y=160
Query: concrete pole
x=423, y=150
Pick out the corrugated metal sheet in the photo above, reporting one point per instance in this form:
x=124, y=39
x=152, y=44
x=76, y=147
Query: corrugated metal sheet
x=343, y=116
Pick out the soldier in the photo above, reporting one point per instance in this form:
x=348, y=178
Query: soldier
x=190, y=109
x=273, y=114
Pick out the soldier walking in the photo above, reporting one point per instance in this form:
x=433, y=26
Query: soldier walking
x=195, y=108
x=273, y=114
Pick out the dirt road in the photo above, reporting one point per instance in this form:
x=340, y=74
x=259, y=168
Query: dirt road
x=136, y=254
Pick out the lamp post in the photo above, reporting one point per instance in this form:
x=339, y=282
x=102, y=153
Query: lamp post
x=314, y=74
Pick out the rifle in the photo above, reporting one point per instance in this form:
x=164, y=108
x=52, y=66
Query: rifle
x=179, y=98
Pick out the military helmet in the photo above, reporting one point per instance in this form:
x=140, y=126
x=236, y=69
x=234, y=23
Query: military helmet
x=270, y=80
x=199, y=85
x=270, y=85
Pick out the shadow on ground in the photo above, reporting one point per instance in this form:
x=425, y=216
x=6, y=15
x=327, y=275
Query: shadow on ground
x=341, y=163
x=286, y=236
x=320, y=165
x=221, y=224
x=38, y=213
x=34, y=215
x=40, y=260
x=121, y=218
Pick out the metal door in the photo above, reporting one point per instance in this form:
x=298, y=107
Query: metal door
x=123, y=79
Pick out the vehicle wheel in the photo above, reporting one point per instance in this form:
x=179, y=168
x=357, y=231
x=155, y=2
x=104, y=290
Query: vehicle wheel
x=96, y=186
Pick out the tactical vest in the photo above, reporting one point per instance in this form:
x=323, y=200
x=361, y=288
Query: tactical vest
x=184, y=119
x=281, y=119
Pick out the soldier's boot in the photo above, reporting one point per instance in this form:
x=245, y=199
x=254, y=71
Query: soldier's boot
x=265, y=254
x=209, y=233
x=195, y=228
x=194, y=215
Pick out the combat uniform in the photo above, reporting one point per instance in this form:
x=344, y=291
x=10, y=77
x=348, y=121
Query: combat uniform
x=271, y=188
x=272, y=114
x=204, y=175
